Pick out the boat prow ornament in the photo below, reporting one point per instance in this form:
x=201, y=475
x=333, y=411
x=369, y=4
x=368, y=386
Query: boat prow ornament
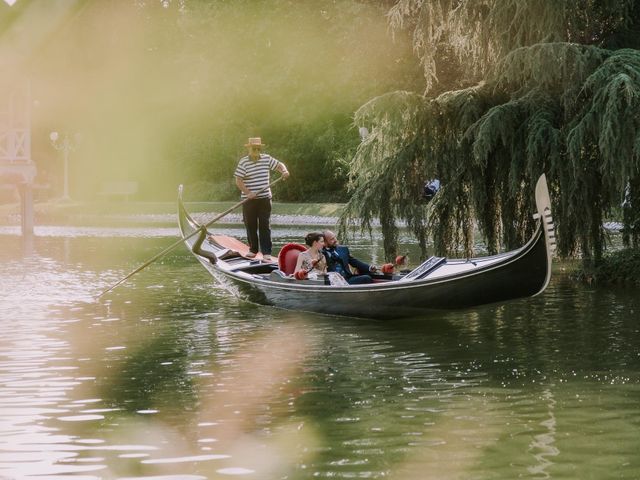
x=543, y=204
x=437, y=284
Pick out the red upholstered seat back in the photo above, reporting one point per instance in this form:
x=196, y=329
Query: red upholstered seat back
x=288, y=257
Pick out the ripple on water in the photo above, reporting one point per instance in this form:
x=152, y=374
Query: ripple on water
x=546, y=387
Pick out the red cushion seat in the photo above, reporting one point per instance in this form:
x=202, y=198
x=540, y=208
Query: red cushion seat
x=288, y=257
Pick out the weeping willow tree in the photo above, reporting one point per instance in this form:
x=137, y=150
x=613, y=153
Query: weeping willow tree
x=513, y=88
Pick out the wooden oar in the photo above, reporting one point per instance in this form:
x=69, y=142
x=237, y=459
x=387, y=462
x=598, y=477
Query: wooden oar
x=181, y=240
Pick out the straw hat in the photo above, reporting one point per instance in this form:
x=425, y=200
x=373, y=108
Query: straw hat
x=254, y=142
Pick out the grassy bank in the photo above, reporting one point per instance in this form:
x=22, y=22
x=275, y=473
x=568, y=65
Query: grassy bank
x=66, y=212
x=621, y=267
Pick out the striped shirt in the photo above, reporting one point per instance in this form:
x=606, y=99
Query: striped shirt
x=255, y=175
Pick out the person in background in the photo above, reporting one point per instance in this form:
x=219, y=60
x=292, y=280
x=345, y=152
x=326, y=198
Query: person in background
x=431, y=187
x=339, y=260
x=252, y=175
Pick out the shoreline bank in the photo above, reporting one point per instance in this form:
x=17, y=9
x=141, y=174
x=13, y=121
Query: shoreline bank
x=159, y=214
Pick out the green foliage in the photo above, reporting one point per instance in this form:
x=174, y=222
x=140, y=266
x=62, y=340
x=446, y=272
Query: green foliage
x=168, y=92
x=631, y=215
x=548, y=97
x=294, y=80
x=381, y=181
x=620, y=267
x=312, y=153
x=208, y=191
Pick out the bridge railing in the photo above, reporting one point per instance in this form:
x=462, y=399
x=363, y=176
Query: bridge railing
x=15, y=146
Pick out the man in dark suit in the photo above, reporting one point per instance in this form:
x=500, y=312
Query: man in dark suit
x=339, y=259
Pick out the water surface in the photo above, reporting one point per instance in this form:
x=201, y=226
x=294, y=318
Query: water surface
x=170, y=377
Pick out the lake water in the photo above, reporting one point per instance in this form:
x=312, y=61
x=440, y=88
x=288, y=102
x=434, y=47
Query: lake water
x=169, y=377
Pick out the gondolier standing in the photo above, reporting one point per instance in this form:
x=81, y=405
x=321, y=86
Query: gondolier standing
x=252, y=175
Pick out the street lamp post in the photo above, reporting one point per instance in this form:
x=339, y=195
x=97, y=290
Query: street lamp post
x=65, y=144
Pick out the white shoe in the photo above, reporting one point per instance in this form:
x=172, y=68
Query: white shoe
x=267, y=258
x=250, y=255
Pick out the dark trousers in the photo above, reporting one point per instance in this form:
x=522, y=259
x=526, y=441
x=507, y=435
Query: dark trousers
x=255, y=215
x=359, y=279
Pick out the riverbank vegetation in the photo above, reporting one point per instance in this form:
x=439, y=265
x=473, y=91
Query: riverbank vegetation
x=620, y=267
x=167, y=92
x=512, y=88
x=484, y=96
x=77, y=213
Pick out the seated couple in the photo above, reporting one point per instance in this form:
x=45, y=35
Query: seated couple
x=325, y=257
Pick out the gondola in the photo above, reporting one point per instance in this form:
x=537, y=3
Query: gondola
x=437, y=284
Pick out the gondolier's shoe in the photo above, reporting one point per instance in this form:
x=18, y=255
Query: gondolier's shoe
x=250, y=255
